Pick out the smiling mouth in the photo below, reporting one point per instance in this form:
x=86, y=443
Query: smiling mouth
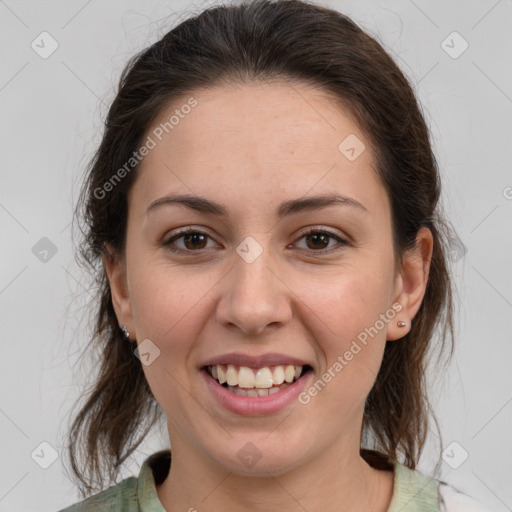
x=256, y=382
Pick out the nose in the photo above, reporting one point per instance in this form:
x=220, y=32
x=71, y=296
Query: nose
x=254, y=297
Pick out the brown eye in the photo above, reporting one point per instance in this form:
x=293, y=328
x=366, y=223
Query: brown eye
x=318, y=240
x=192, y=241
x=195, y=240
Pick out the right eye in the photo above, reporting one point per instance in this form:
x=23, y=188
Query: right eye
x=193, y=241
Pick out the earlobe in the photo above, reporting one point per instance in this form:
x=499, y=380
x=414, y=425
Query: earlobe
x=115, y=269
x=411, y=284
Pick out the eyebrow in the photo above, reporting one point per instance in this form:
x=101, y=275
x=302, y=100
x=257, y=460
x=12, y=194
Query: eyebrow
x=203, y=205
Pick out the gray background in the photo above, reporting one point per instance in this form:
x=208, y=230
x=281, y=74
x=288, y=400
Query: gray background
x=52, y=111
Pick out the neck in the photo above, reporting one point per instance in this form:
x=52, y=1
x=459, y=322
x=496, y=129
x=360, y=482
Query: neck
x=336, y=480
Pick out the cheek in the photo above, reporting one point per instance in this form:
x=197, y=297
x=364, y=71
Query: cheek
x=165, y=297
x=350, y=300
x=354, y=308
x=167, y=304
x=168, y=309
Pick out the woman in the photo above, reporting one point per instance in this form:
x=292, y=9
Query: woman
x=264, y=209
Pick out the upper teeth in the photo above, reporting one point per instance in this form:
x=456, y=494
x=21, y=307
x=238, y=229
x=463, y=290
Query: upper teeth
x=262, y=378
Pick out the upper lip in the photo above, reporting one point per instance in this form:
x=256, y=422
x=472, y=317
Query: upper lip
x=260, y=361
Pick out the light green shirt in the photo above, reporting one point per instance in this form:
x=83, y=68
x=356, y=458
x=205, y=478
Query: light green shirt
x=413, y=491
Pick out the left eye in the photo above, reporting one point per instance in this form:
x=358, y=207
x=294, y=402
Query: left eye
x=320, y=239
x=316, y=240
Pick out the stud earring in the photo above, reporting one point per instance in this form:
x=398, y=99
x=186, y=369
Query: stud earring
x=401, y=324
x=125, y=332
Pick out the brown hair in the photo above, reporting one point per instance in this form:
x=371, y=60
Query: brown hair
x=263, y=40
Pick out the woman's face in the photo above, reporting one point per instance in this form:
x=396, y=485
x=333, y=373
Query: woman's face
x=251, y=288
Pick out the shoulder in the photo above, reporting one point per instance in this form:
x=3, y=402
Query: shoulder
x=122, y=496
x=418, y=492
x=133, y=494
x=413, y=491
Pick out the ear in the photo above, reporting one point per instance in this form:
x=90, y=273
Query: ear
x=115, y=269
x=411, y=283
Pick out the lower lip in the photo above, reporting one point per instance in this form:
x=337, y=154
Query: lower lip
x=257, y=405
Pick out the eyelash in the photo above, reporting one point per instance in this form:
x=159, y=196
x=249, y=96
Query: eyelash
x=310, y=231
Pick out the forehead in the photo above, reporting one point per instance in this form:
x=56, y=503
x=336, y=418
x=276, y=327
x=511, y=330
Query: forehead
x=257, y=143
